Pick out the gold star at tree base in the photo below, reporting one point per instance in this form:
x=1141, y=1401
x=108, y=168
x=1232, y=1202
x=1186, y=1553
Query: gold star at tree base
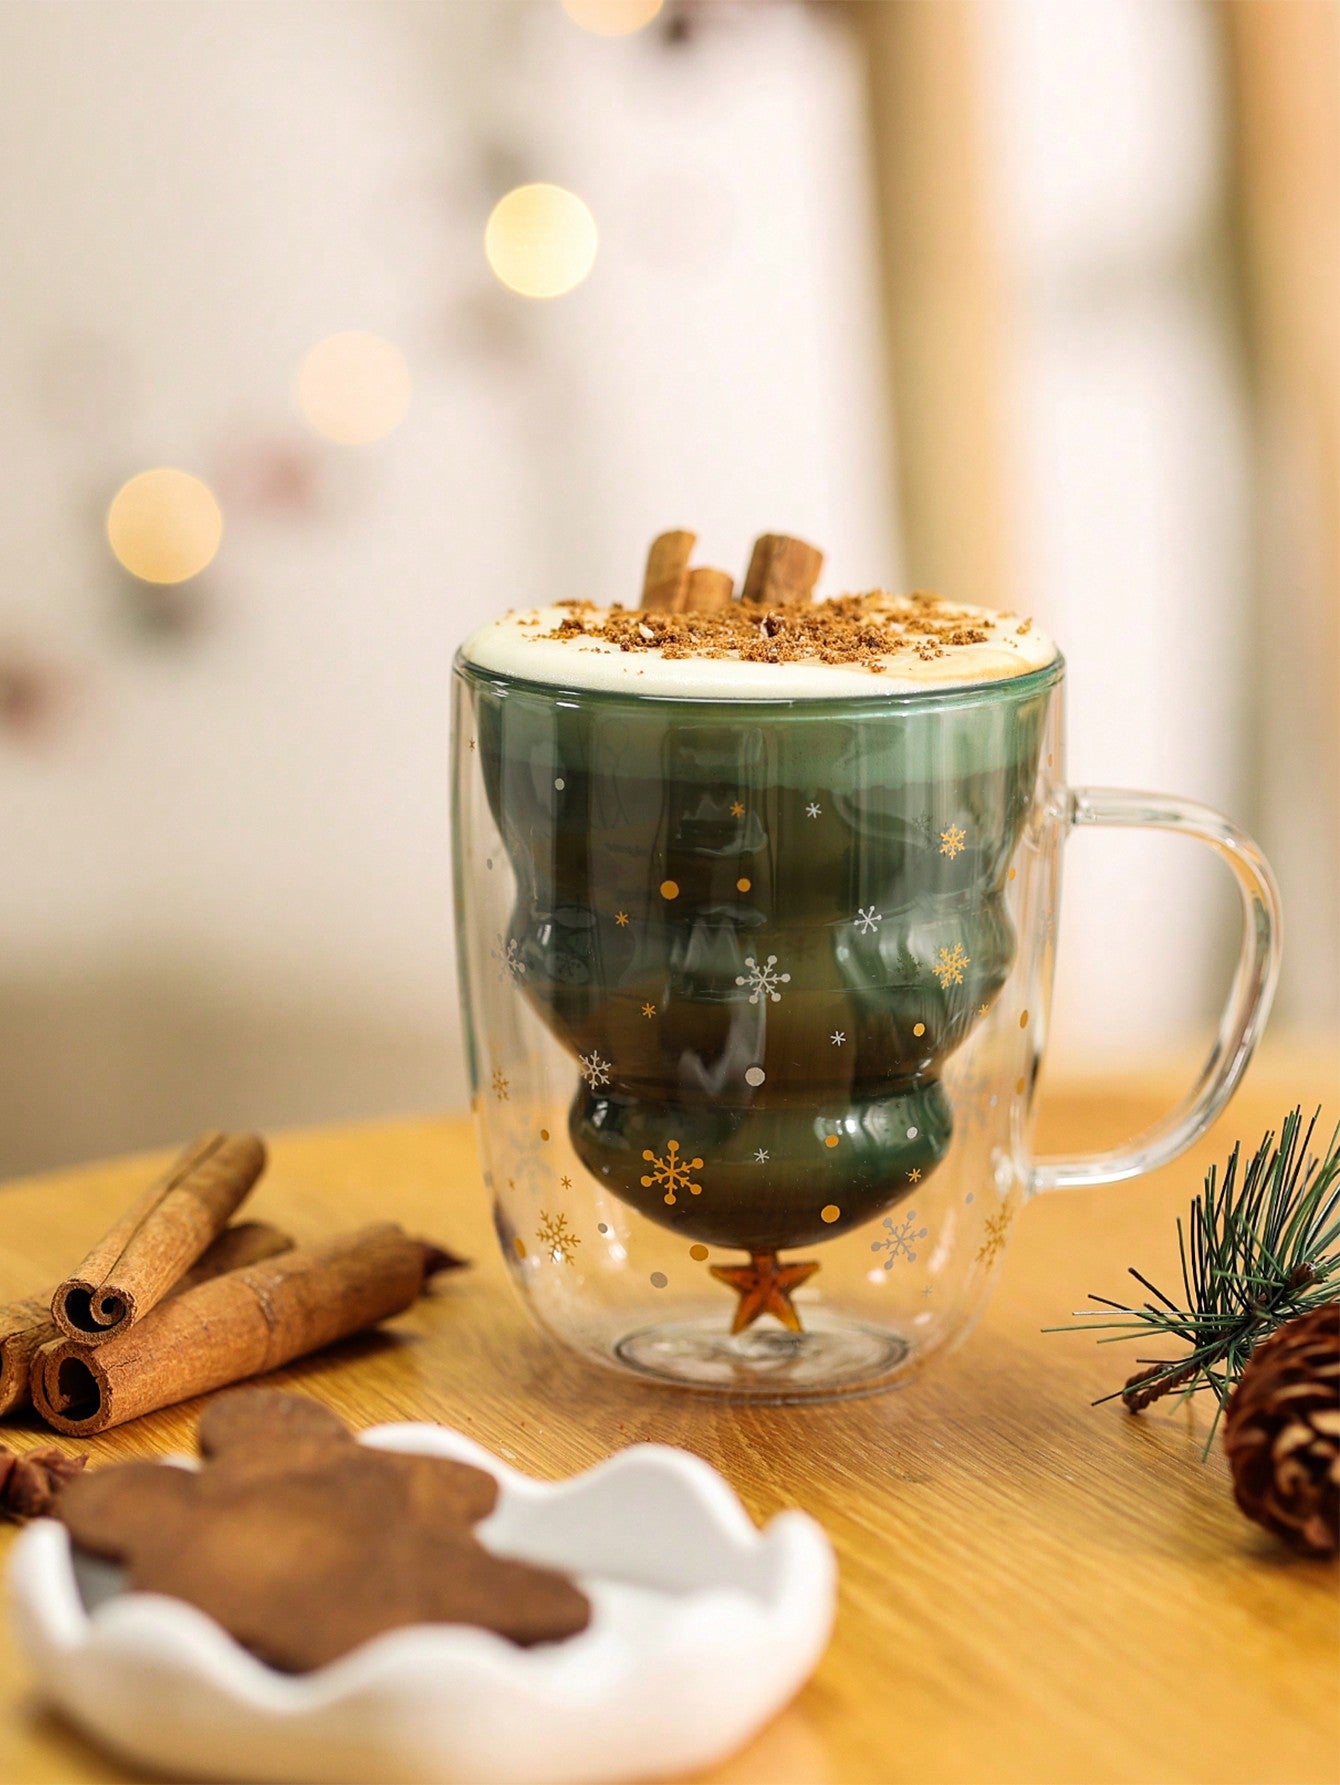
x=764, y=1286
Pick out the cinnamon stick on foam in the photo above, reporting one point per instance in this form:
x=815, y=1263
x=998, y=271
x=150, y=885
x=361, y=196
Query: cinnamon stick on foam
x=780, y=568
x=239, y=1325
x=26, y=1326
x=157, y=1240
x=666, y=577
x=708, y=591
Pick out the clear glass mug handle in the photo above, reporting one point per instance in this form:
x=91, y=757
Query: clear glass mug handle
x=1249, y=997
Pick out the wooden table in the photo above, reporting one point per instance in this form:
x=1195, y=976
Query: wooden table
x=1032, y=1589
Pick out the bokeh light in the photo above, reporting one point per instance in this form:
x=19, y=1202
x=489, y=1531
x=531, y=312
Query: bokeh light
x=541, y=240
x=353, y=388
x=164, y=525
x=612, y=18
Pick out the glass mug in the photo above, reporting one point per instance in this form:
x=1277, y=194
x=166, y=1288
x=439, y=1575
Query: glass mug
x=756, y=996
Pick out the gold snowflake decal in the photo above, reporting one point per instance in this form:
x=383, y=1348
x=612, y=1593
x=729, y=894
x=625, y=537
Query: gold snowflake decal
x=948, y=969
x=671, y=1172
x=914, y=1176
x=502, y=1087
x=737, y=810
x=649, y=1010
x=997, y=1226
x=556, y=1237
x=621, y=918
x=951, y=841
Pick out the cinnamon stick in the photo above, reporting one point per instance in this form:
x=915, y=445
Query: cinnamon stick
x=708, y=590
x=782, y=568
x=157, y=1240
x=236, y=1326
x=26, y=1326
x=666, y=577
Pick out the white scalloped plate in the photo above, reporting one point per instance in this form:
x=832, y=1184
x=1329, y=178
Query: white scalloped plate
x=703, y=1627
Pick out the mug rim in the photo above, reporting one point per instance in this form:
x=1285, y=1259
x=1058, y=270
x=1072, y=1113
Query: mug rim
x=932, y=698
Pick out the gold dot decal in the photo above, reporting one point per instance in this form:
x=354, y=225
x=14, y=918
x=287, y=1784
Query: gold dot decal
x=1021, y=1086
x=830, y=1214
x=544, y=1134
x=669, y=889
x=698, y=1252
x=918, y=1028
x=1023, y=1019
x=520, y=1246
x=1012, y=872
x=743, y=884
x=831, y=1140
x=659, y=1279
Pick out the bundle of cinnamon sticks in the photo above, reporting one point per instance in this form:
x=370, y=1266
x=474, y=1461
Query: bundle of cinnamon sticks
x=780, y=569
x=174, y=1301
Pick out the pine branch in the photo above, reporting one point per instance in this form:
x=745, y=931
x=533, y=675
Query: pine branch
x=1259, y=1247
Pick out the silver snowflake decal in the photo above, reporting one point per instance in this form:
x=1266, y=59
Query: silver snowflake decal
x=507, y=958
x=898, y=1242
x=813, y=809
x=763, y=981
x=867, y=919
x=762, y=1155
x=837, y=1038
x=595, y=1071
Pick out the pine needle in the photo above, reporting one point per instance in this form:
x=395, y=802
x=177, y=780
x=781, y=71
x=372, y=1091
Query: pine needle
x=1259, y=1247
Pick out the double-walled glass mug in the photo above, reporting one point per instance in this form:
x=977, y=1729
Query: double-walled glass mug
x=757, y=992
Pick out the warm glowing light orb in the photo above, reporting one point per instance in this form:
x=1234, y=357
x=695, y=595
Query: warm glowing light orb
x=164, y=525
x=541, y=240
x=353, y=388
x=612, y=18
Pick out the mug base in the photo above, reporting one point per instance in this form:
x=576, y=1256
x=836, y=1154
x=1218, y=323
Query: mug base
x=833, y=1356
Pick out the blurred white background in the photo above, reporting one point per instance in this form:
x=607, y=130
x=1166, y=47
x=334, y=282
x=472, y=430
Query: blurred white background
x=225, y=894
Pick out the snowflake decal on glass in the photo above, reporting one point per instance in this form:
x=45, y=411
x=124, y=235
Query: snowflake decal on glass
x=762, y=1156
x=649, y=1010
x=813, y=809
x=837, y=1038
x=763, y=981
x=526, y=1160
x=737, y=809
x=949, y=965
x=671, y=1173
x=557, y=1238
x=899, y=1241
x=507, y=958
x=502, y=1087
x=621, y=918
x=952, y=841
x=867, y=919
x=595, y=1071
x=997, y=1227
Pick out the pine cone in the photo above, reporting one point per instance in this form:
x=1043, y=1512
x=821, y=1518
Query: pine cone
x=29, y=1484
x=1282, y=1432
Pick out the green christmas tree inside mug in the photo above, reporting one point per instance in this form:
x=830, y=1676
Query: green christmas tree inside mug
x=757, y=907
